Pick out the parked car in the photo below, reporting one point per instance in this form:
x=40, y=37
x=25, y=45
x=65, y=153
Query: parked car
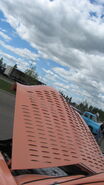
x=91, y=120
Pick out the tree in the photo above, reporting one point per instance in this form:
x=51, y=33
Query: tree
x=32, y=72
x=2, y=66
x=68, y=100
x=1, y=62
x=15, y=66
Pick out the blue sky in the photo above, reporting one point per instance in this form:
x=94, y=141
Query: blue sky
x=63, y=39
x=17, y=42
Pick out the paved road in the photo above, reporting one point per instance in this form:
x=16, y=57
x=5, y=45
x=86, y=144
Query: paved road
x=7, y=102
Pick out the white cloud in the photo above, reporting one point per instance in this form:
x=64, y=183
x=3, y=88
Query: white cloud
x=81, y=83
x=21, y=52
x=69, y=32
x=5, y=36
x=11, y=60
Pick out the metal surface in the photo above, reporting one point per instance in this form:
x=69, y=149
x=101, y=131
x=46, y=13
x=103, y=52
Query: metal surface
x=42, y=179
x=6, y=177
x=49, y=133
x=76, y=180
x=30, y=177
x=97, y=179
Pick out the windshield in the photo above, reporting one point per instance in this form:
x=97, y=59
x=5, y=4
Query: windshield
x=93, y=118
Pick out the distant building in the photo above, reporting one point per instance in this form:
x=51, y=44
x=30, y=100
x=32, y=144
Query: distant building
x=19, y=76
x=8, y=70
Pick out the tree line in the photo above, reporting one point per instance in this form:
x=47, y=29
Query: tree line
x=84, y=106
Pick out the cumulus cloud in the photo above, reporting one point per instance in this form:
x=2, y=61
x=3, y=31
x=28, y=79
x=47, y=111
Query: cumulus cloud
x=5, y=36
x=21, y=52
x=69, y=32
x=83, y=84
x=57, y=27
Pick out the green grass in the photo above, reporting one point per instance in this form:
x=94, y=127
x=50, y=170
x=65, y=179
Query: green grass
x=6, y=86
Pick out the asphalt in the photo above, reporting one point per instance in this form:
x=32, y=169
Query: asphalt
x=7, y=104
